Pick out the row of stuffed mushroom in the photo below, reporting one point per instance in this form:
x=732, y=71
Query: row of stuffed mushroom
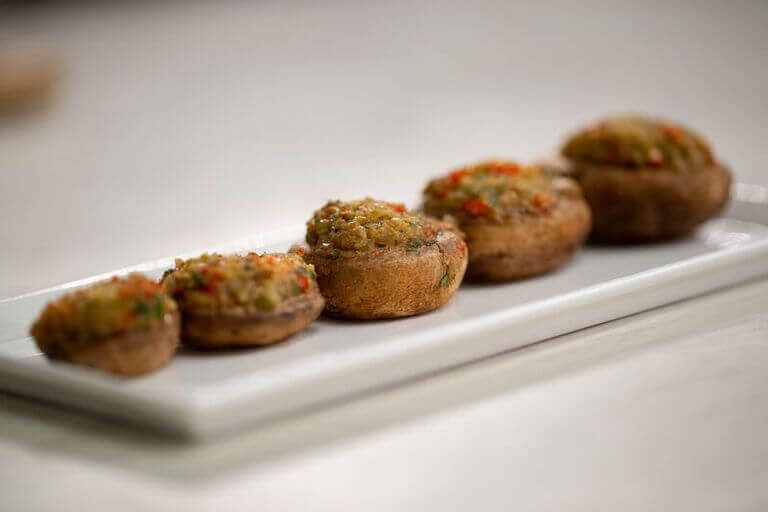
x=621, y=180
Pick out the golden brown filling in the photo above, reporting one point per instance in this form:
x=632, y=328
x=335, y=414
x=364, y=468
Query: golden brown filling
x=493, y=190
x=104, y=310
x=638, y=142
x=368, y=224
x=255, y=281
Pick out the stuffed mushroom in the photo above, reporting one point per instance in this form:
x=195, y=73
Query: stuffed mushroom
x=236, y=300
x=645, y=179
x=375, y=259
x=519, y=221
x=127, y=326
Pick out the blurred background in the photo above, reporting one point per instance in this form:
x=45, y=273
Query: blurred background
x=174, y=125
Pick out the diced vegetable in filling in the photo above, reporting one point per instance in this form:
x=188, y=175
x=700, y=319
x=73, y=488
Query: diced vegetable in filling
x=368, y=224
x=104, y=310
x=495, y=191
x=637, y=142
x=254, y=281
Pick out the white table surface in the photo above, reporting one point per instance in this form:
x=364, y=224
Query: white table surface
x=182, y=125
x=660, y=411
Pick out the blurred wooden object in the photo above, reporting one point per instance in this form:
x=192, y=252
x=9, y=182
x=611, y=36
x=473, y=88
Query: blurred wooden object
x=26, y=81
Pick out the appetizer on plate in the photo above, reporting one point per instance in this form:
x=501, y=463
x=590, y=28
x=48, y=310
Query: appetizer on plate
x=646, y=179
x=376, y=259
x=235, y=300
x=127, y=326
x=519, y=221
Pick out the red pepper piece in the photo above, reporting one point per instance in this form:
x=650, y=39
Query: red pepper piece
x=504, y=168
x=457, y=176
x=542, y=202
x=477, y=207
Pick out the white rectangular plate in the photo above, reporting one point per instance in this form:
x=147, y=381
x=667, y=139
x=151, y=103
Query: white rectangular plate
x=201, y=394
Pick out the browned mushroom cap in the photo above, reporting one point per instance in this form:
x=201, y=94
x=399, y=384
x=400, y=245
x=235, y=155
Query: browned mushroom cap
x=646, y=179
x=646, y=205
x=518, y=220
x=391, y=282
x=125, y=325
x=375, y=259
x=131, y=354
x=236, y=327
x=252, y=300
x=529, y=246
